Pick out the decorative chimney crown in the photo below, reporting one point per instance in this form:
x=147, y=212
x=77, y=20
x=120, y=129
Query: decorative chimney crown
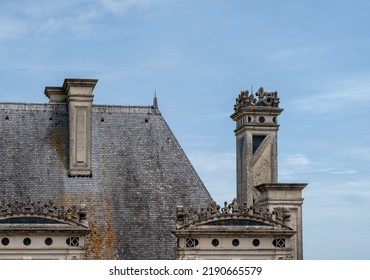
x=265, y=99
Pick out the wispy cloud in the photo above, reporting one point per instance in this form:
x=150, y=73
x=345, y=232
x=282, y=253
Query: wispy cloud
x=361, y=153
x=217, y=162
x=292, y=165
x=297, y=166
x=43, y=8
x=217, y=170
x=297, y=161
x=42, y=18
x=358, y=187
x=77, y=24
x=336, y=95
x=344, y=172
x=11, y=28
x=123, y=6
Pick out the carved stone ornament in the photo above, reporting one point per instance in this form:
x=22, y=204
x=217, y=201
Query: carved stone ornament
x=265, y=98
x=27, y=206
x=277, y=217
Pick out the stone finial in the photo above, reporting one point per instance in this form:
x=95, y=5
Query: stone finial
x=225, y=209
x=244, y=100
x=155, y=101
x=234, y=206
x=180, y=213
x=265, y=98
x=255, y=208
x=213, y=208
x=192, y=214
x=82, y=211
x=191, y=217
x=28, y=206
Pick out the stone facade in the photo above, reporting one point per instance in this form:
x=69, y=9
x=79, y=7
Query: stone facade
x=234, y=232
x=139, y=173
x=35, y=230
x=265, y=220
x=126, y=167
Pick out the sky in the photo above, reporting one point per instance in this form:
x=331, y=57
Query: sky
x=197, y=55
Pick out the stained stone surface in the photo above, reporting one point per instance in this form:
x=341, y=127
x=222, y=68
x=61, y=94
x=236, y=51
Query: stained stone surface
x=139, y=174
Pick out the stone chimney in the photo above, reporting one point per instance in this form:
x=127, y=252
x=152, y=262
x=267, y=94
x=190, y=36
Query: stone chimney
x=256, y=142
x=77, y=93
x=55, y=94
x=79, y=99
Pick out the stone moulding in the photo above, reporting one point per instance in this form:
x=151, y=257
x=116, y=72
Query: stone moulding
x=279, y=217
x=27, y=207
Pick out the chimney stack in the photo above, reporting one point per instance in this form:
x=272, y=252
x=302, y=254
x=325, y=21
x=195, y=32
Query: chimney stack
x=79, y=98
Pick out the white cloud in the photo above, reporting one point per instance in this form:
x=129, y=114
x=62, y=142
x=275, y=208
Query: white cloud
x=78, y=24
x=335, y=95
x=292, y=166
x=298, y=164
x=297, y=161
x=344, y=172
x=43, y=17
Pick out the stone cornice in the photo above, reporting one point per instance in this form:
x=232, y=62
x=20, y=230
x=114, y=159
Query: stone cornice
x=70, y=82
x=188, y=219
x=29, y=208
x=282, y=186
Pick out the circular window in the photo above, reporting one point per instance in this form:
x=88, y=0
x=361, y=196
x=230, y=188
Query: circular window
x=261, y=119
x=215, y=242
x=274, y=119
x=249, y=119
x=235, y=242
x=48, y=241
x=27, y=241
x=256, y=242
x=5, y=241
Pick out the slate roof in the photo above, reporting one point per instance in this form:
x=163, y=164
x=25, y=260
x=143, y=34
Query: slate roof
x=139, y=174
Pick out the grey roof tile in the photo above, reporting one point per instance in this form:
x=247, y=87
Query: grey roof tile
x=140, y=174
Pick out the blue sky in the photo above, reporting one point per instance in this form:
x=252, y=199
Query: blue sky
x=198, y=55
